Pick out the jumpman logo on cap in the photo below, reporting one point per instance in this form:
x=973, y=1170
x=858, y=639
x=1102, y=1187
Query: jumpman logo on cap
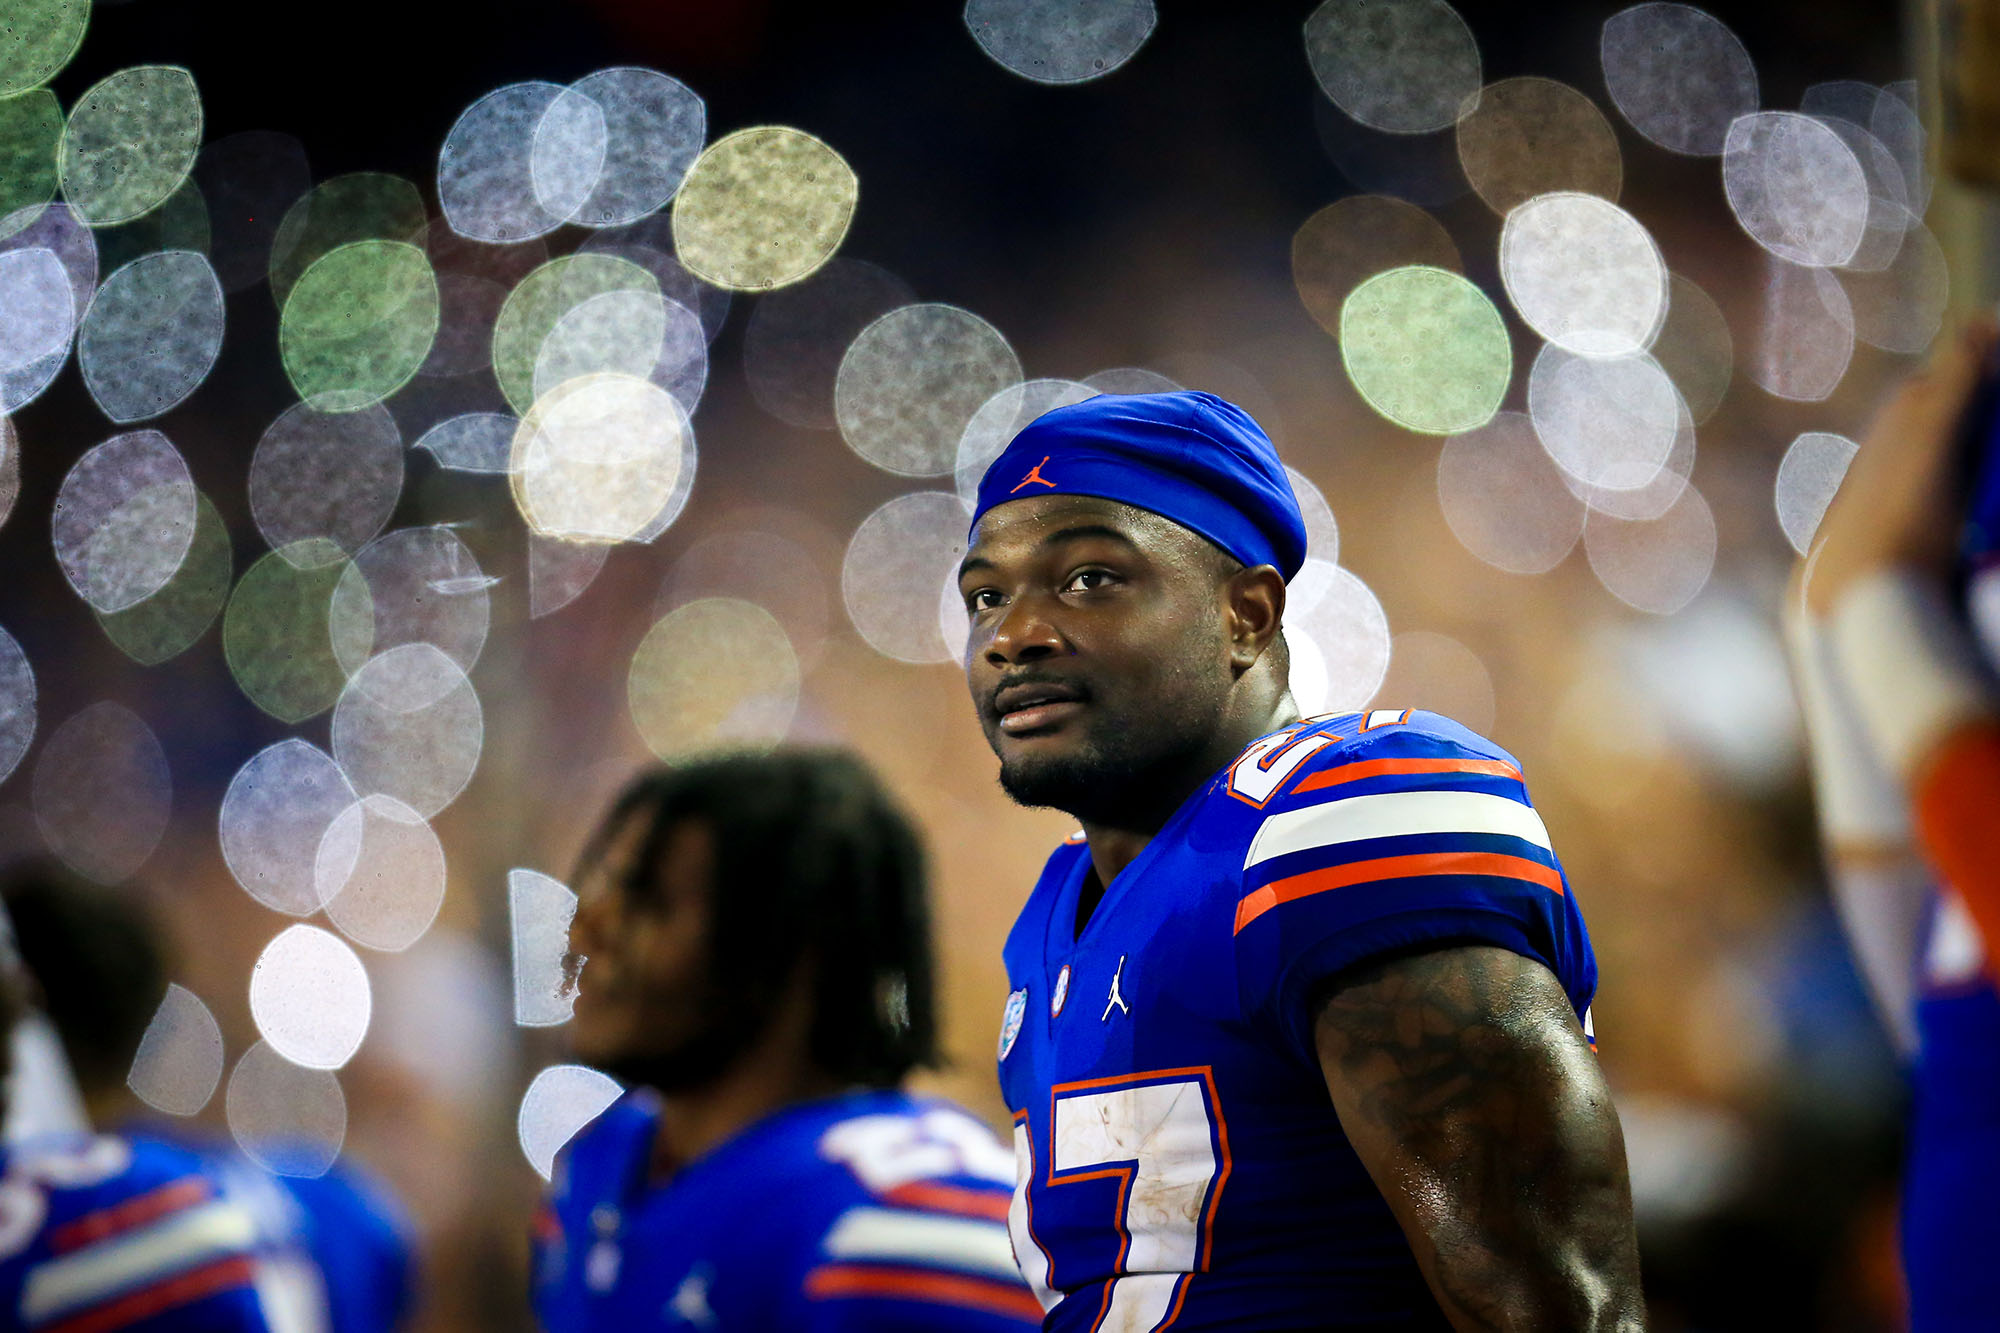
x=1035, y=474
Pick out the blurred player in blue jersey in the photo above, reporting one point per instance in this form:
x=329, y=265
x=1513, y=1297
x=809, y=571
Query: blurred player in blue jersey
x=1902, y=713
x=1298, y=1030
x=332, y=1252
x=104, y=1234
x=756, y=968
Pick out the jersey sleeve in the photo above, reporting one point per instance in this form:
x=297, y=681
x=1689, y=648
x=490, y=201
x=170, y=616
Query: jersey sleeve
x=1419, y=835
x=154, y=1245
x=923, y=1246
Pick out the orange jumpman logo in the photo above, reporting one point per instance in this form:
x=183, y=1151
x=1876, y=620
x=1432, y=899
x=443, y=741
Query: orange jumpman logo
x=1035, y=474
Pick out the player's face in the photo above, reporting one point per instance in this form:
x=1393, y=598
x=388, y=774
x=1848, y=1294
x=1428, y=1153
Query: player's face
x=646, y=994
x=1098, y=657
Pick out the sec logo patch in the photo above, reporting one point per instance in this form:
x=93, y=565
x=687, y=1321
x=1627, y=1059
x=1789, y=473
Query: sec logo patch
x=1010, y=1022
x=1062, y=992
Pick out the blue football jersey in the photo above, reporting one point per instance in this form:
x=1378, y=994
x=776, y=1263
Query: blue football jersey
x=1179, y=1161
x=1952, y=1175
x=872, y=1211
x=102, y=1233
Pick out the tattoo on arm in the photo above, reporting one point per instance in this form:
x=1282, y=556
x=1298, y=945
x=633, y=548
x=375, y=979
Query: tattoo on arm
x=1470, y=1093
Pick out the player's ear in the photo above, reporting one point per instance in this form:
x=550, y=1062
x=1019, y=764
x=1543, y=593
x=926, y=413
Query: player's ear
x=1256, y=610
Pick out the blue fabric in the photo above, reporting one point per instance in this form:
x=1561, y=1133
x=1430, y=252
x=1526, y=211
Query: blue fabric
x=870, y=1212
x=1188, y=457
x=1198, y=971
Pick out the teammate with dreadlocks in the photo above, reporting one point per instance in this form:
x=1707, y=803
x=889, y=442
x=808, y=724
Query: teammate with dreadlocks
x=755, y=967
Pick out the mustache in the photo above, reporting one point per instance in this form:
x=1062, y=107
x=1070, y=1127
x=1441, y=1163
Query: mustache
x=1033, y=676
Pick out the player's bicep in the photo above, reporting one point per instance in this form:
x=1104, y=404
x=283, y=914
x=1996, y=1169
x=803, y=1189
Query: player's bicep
x=1469, y=1091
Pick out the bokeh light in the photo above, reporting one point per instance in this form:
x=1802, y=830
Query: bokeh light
x=151, y=335
x=599, y=459
x=911, y=383
x=896, y=562
x=757, y=565
x=359, y=206
x=488, y=181
x=124, y=519
x=1655, y=565
x=358, y=323
x=1352, y=239
x=1900, y=307
x=39, y=38
x=1583, y=273
x=1322, y=531
x=473, y=442
x=1653, y=498
x=179, y=223
x=414, y=585
x=1426, y=348
x=649, y=243
x=31, y=126
x=1677, y=75
x=288, y=1119
x=1533, y=136
x=1504, y=498
x=1437, y=673
x=37, y=317
x=1060, y=41
x=559, y=572
x=180, y=1057
x=561, y=1100
x=1805, y=337
x=538, y=304
x=130, y=142
x=1345, y=623
x=380, y=872
x=1404, y=66
x=1608, y=422
x=1131, y=379
x=167, y=623
x=10, y=467
x=539, y=910
x=763, y=207
x=1694, y=347
x=17, y=704
x=309, y=997
x=102, y=792
x=1808, y=476
x=718, y=673
x=323, y=474
x=654, y=127
x=409, y=725
x=274, y=817
x=1796, y=188
x=275, y=633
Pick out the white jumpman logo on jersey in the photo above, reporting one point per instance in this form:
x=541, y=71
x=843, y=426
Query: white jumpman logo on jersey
x=690, y=1300
x=1116, y=1000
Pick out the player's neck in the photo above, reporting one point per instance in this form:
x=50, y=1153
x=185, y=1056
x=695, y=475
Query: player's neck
x=774, y=1073
x=1115, y=844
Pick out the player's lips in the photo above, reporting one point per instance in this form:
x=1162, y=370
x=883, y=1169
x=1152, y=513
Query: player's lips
x=1033, y=705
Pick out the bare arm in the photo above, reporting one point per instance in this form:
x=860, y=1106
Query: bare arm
x=1472, y=1097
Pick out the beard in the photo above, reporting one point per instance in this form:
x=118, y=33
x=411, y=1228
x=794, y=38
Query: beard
x=725, y=1029
x=1118, y=781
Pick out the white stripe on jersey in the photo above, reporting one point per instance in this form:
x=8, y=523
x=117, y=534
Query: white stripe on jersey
x=904, y=1236
x=175, y=1244
x=1391, y=814
x=1380, y=717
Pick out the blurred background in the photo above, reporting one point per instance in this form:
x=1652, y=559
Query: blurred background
x=311, y=613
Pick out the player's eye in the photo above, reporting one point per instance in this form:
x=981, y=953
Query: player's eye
x=982, y=599
x=1089, y=580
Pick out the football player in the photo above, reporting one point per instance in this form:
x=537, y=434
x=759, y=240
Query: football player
x=333, y=1250
x=1903, y=724
x=105, y=1234
x=1298, y=1035
x=756, y=968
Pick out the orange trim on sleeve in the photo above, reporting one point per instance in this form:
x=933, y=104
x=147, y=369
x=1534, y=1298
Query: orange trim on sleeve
x=1957, y=800
x=132, y=1213
x=1282, y=891
x=920, y=1284
x=143, y=1304
x=987, y=1204
x=1377, y=768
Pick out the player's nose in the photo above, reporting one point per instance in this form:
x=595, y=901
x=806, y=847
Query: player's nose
x=1024, y=633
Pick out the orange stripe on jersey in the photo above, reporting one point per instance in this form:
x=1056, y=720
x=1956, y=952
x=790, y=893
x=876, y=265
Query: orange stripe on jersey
x=189, y=1287
x=1377, y=768
x=1281, y=891
x=1957, y=793
x=987, y=1204
x=921, y=1284
x=135, y=1212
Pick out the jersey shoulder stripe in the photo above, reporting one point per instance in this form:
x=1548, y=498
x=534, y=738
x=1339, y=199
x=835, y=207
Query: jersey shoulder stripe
x=145, y=1264
x=925, y=1239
